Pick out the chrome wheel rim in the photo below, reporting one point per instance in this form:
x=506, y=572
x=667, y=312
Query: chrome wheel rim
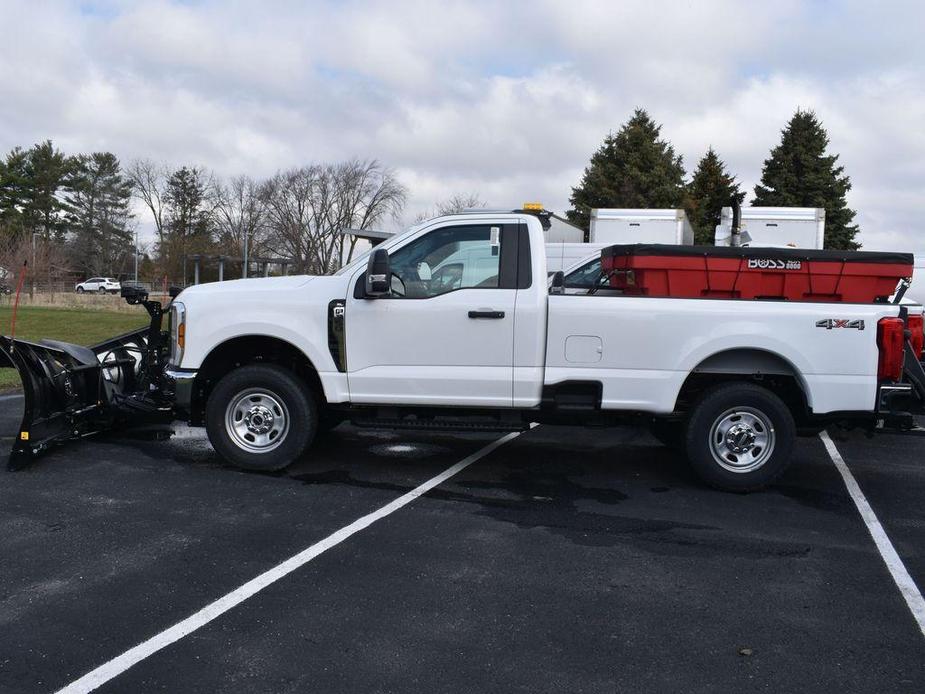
x=257, y=420
x=742, y=439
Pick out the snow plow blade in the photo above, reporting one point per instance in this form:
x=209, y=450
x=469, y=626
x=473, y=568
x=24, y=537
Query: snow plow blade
x=71, y=391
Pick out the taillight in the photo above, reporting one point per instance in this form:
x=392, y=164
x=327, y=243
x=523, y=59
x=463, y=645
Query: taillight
x=917, y=339
x=890, y=340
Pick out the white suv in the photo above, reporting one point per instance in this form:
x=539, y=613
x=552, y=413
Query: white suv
x=102, y=285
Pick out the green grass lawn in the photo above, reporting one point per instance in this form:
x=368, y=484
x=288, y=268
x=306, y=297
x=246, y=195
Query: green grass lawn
x=82, y=327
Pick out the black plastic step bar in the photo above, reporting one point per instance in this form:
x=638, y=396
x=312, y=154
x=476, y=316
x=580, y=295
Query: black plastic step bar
x=437, y=425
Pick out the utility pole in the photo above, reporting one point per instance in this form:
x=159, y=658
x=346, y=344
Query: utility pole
x=32, y=285
x=244, y=274
x=136, y=258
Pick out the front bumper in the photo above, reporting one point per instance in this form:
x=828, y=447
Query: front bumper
x=180, y=384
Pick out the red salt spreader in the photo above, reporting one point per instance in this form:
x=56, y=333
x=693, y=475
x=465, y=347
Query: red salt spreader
x=781, y=274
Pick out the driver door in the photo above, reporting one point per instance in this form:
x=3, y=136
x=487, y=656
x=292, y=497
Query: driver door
x=445, y=334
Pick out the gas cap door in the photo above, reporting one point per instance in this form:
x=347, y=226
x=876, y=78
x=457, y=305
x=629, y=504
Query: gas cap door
x=583, y=349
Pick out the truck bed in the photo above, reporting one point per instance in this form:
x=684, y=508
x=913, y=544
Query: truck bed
x=641, y=349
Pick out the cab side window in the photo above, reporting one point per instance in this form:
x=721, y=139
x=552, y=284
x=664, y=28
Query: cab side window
x=444, y=260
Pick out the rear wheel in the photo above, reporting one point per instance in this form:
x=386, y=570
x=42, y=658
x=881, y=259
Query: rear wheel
x=102, y=290
x=261, y=417
x=739, y=437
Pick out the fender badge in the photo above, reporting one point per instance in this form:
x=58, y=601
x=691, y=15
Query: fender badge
x=832, y=323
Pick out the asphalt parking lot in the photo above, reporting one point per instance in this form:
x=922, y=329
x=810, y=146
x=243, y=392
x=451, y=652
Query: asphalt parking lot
x=564, y=560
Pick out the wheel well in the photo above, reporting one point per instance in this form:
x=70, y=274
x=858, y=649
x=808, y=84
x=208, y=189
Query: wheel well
x=750, y=365
x=250, y=349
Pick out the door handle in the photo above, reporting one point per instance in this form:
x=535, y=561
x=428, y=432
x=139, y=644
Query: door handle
x=486, y=314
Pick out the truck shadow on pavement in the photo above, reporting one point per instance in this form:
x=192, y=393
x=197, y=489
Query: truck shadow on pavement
x=591, y=487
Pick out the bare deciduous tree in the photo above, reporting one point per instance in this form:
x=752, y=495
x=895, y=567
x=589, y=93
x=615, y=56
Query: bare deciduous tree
x=367, y=192
x=149, y=183
x=308, y=207
x=181, y=207
x=240, y=215
x=454, y=204
x=286, y=197
x=47, y=262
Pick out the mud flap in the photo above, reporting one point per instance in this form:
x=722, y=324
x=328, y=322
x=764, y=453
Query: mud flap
x=71, y=391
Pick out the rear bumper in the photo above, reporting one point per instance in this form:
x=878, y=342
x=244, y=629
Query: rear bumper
x=180, y=384
x=895, y=397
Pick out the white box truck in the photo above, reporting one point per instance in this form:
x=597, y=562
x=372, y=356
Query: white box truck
x=613, y=226
x=561, y=231
x=775, y=227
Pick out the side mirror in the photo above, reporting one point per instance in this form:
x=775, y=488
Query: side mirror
x=378, y=274
x=558, y=283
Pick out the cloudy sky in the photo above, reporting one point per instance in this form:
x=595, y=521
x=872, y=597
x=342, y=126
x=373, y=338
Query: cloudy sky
x=506, y=99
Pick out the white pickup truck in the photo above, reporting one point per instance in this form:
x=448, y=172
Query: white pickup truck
x=453, y=325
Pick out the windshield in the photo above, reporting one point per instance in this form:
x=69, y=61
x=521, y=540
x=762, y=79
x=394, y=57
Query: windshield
x=364, y=257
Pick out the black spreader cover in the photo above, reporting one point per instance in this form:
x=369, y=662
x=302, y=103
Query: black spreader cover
x=759, y=252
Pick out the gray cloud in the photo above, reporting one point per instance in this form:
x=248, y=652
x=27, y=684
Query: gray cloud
x=507, y=99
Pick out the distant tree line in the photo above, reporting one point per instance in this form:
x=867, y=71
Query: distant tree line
x=73, y=214
x=64, y=212
x=635, y=167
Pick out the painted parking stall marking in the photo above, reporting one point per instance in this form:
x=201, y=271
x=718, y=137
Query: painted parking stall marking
x=898, y=571
x=107, y=671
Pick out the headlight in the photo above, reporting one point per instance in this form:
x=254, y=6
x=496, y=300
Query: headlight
x=177, y=332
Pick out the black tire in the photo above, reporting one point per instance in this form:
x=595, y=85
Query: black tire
x=271, y=395
x=80, y=290
x=669, y=433
x=750, y=415
x=101, y=290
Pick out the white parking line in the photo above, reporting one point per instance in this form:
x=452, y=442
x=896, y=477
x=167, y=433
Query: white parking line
x=121, y=663
x=4, y=398
x=904, y=582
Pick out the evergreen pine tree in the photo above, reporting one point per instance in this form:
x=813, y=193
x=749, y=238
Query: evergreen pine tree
x=187, y=219
x=799, y=173
x=13, y=192
x=47, y=170
x=633, y=168
x=98, y=213
x=710, y=190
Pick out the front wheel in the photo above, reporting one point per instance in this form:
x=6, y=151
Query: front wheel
x=739, y=437
x=80, y=290
x=261, y=417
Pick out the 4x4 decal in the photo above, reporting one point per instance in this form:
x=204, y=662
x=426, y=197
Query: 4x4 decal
x=832, y=323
